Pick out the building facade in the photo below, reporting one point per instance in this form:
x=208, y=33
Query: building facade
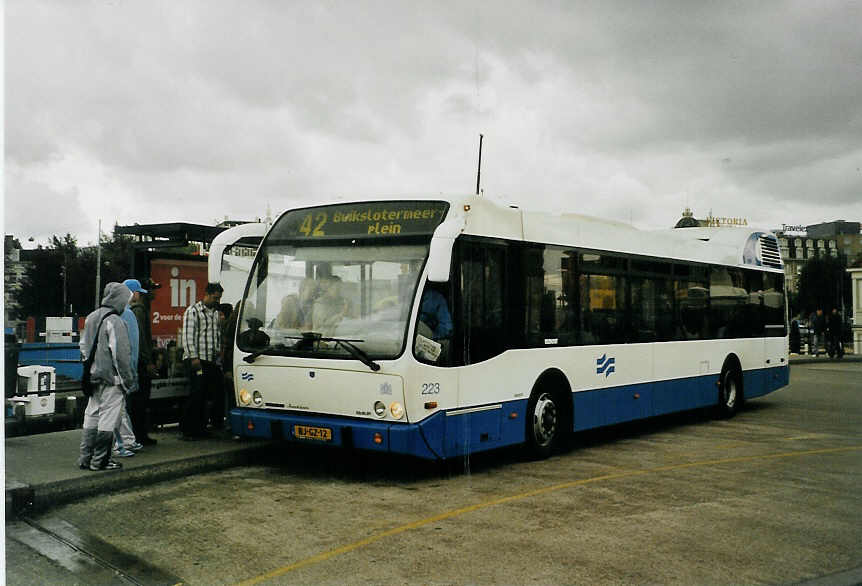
x=797, y=249
x=829, y=238
x=14, y=270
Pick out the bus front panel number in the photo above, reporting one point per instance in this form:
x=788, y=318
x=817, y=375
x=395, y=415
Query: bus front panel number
x=430, y=388
x=312, y=225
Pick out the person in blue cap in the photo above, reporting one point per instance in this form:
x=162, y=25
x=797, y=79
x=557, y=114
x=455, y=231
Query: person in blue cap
x=145, y=366
x=125, y=443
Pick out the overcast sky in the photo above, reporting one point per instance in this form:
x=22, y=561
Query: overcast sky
x=177, y=110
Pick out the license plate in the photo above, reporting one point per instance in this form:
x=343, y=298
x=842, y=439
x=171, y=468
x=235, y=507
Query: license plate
x=307, y=432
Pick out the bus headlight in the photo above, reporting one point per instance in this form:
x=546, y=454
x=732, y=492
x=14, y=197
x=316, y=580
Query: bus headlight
x=257, y=398
x=397, y=410
x=244, y=397
x=380, y=409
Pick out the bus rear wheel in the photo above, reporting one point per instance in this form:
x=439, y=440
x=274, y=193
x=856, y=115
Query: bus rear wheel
x=730, y=392
x=543, y=423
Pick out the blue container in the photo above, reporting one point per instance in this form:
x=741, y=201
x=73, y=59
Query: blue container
x=65, y=358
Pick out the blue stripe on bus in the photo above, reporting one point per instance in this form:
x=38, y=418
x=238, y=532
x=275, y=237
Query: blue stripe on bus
x=460, y=432
x=626, y=403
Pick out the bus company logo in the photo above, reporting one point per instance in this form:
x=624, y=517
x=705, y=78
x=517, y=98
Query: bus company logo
x=247, y=376
x=605, y=365
x=385, y=389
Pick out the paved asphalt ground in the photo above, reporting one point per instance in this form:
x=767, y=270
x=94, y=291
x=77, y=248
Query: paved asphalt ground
x=771, y=496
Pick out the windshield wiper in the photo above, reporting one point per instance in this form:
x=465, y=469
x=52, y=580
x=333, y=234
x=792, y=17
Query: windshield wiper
x=277, y=349
x=311, y=337
x=357, y=353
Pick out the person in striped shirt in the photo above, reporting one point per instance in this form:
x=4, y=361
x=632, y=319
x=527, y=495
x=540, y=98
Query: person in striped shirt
x=202, y=345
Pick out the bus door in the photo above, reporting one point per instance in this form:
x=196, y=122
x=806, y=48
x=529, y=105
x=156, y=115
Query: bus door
x=480, y=335
x=231, y=256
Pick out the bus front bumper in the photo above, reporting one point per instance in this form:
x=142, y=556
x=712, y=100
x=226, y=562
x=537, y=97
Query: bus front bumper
x=377, y=436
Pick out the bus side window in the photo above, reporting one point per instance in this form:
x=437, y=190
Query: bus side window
x=603, y=306
x=691, y=302
x=756, y=314
x=602, y=285
x=551, y=296
x=482, y=300
x=651, y=301
x=533, y=271
x=773, y=305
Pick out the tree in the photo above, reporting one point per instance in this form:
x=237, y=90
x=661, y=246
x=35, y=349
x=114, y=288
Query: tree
x=42, y=288
x=117, y=253
x=63, y=263
x=824, y=283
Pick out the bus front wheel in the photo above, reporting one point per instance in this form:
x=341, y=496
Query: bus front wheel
x=543, y=423
x=730, y=391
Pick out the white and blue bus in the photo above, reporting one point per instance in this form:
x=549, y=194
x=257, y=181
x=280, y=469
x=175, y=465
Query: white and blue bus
x=447, y=326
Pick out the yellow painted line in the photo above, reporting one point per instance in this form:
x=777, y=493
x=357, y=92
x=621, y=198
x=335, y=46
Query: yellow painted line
x=322, y=557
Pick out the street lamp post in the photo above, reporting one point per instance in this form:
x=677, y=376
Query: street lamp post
x=63, y=274
x=98, y=264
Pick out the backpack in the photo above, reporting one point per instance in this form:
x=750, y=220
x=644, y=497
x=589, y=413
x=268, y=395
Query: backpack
x=87, y=385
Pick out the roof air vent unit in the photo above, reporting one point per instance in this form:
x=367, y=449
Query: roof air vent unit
x=770, y=255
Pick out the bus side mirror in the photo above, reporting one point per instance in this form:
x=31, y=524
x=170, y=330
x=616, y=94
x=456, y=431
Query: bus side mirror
x=440, y=259
x=440, y=253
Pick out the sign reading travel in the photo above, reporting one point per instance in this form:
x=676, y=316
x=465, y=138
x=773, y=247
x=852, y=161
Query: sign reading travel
x=363, y=220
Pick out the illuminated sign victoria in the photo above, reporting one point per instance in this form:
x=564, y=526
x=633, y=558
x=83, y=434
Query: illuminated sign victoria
x=362, y=220
x=716, y=222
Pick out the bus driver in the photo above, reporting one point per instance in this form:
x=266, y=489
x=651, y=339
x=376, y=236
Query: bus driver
x=435, y=321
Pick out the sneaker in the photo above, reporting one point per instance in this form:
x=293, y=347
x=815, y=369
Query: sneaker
x=136, y=446
x=124, y=453
x=111, y=465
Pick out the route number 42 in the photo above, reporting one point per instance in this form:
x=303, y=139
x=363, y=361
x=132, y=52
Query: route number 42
x=313, y=227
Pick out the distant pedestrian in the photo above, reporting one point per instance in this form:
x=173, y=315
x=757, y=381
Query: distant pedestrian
x=835, y=326
x=819, y=330
x=795, y=339
x=105, y=341
x=145, y=366
x=810, y=341
x=202, y=345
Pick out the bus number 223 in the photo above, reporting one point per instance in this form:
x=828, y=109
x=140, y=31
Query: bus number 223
x=430, y=388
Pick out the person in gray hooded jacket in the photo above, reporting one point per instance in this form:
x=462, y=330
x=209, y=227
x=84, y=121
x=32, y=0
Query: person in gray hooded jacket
x=111, y=375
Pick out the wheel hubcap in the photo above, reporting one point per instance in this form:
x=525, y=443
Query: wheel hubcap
x=544, y=420
x=730, y=392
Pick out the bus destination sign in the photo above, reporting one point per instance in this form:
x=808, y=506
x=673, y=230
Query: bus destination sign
x=363, y=220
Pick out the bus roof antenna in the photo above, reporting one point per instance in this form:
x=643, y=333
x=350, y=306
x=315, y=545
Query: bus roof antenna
x=479, y=170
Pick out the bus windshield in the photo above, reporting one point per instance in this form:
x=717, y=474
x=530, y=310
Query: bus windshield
x=312, y=300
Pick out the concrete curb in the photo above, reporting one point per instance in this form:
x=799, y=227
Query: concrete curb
x=23, y=498
x=19, y=496
x=825, y=359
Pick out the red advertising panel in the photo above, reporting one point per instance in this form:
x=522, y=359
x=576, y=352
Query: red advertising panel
x=183, y=283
